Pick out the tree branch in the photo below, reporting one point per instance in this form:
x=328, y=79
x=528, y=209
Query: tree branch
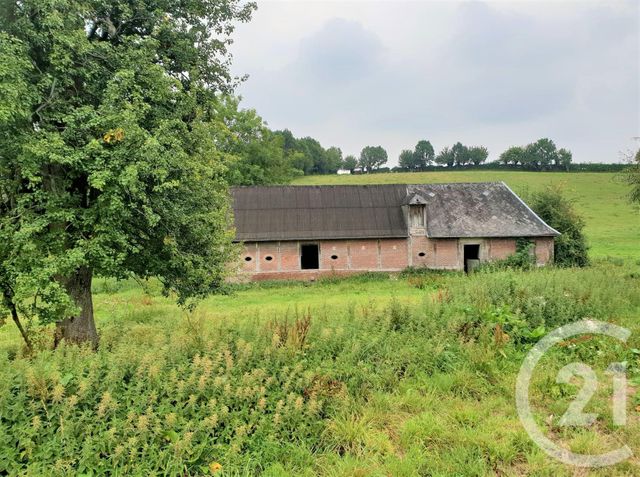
x=8, y=300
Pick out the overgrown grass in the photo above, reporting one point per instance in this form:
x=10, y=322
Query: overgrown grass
x=374, y=375
x=612, y=224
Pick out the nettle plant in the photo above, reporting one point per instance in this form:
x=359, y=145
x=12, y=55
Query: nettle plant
x=110, y=162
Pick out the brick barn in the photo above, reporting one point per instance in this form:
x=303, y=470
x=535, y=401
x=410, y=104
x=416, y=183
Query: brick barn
x=305, y=231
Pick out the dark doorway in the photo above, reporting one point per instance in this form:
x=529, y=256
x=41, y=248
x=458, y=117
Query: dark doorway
x=309, y=256
x=471, y=257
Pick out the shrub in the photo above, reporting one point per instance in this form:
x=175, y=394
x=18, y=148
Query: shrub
x=558, y=212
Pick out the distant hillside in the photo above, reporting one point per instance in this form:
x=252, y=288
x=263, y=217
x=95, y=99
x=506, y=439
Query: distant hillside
x=613, y=226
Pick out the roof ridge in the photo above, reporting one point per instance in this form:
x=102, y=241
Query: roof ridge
x=275, y=186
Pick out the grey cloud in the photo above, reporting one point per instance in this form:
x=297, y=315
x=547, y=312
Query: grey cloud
x=340, y=52
x=527, y=75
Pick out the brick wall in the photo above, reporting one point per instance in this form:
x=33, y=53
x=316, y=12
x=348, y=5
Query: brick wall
x=352, y=256
x=334, y=255
x=364, y=254
x=499, y=249
x=544, y=250
x=393, y=254
x=445, y=253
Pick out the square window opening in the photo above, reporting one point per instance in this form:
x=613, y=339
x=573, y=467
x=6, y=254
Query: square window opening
x=309, y=256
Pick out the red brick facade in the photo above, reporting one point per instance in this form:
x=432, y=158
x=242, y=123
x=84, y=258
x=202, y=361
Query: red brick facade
x=281, y=260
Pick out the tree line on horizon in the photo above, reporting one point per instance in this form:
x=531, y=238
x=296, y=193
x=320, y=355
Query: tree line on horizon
x=278, y=156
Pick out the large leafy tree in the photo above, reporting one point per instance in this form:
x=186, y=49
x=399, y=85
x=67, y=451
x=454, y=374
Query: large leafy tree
x=372, y=157
x=349, y=163
x=109, y=157
x=406, y=159
x=260, y=155
x=478, y=154
x=563, y=158
x=460, y=154
x=333, y=160
x=423, y=154
x=514, y=155
x=446, y=157
x=541, y=154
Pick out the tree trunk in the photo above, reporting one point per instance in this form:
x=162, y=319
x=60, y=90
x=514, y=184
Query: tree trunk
x=79, y=329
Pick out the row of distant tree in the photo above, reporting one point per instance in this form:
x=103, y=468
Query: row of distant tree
x=272, y=157
x=539, y=155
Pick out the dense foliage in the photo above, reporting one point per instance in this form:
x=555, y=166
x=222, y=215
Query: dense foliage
x=406, y=388
x=422, y=156
x=632, y=176
x=371, y=158
x=570, y=249
x=110, y=163
x=307, y=156
x=540, y=155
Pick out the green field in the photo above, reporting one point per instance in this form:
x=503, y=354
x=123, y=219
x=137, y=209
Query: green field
x=369, y=376
x=612, y=224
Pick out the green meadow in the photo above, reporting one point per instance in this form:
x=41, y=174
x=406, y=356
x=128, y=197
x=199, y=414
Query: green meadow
x=612, y=224
x=374, y=375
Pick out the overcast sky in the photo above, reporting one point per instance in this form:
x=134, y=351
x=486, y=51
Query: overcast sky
x=495, y=73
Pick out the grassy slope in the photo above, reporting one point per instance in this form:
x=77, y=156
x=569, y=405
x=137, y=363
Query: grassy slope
x=613, y=226
x=406, y=387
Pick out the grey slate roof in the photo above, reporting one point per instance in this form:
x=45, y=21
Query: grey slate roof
x=375, y=211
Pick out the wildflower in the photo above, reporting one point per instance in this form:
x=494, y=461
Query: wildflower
x=83, y=387
x=298, y=403
x=153, y=396
x=117, y=452
x=215, y=467
x=111, y=433
x=143, y=423
x=228, y=358
x=58, y=393
x=171, y=419
x=36, y=423
x=106, y=403
x=313, y=405
x=262, y=403
x=275, y=340
x=211, y=422
x=72, y=401
x=154, y=371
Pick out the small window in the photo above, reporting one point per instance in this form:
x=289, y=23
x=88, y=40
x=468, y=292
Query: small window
x=268, y=258
x=247, y=259
x=416, y=216
x=334, y=257
x=421, y=254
